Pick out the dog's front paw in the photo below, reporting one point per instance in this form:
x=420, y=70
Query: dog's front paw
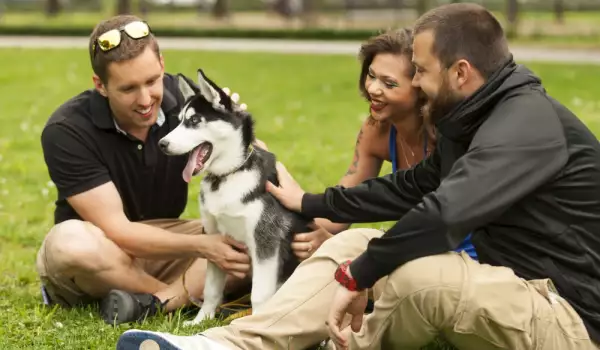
x=202, y=316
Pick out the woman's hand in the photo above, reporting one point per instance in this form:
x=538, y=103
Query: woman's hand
x=306, y=243
x=235, y=97
x=289, y=193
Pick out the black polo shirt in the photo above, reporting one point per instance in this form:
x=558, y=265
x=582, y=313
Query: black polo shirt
x=83, y=148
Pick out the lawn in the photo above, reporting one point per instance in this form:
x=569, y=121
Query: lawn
x=307, y=110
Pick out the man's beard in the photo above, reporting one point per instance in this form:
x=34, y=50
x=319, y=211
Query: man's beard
x=445, y=101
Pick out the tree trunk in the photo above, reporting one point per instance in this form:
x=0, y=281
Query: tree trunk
x=309, y=13
x=559, y=11
x=52, y=7
x=143, y=7
x=283, y=8
x=123, y=7
x=512, y=16
x=422, y=6
x=221, y=9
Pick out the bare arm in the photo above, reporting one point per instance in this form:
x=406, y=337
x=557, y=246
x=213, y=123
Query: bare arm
x=365, y=165
x=102, y=206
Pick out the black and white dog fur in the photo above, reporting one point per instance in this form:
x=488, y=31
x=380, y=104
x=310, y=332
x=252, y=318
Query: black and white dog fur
x=233, y=199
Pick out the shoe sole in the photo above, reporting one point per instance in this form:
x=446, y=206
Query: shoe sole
x=117, y=307
x=137, y=340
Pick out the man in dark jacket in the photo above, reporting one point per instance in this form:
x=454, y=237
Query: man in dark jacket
x=512, y=165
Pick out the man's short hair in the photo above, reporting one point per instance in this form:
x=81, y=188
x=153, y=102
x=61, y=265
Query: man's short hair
x=128, y=48
x=466, y=31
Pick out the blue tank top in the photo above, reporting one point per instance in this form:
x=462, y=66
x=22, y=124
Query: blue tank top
x=466, y=245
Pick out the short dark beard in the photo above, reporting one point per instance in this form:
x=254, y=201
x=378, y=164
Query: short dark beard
x=445, y=101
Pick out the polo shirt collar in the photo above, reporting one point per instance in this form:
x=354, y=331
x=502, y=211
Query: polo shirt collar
x=102, y=116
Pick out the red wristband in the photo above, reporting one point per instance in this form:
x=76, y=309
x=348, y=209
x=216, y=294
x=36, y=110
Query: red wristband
x=342, y=276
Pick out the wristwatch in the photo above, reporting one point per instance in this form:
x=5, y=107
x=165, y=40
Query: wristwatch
x=344, y=278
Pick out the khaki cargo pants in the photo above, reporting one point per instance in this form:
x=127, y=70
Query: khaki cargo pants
x=63, y=291
x=473, y=306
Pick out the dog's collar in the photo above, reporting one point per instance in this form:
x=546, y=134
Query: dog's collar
x=250, y=151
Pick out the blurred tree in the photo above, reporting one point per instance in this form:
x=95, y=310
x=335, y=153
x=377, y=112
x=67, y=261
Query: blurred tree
x=221, y=9
x=559, y=11
x=422, y=6
x=512, y=16
x=143, y=7
x=52, y=8
x=123, y=7
x=309, y=13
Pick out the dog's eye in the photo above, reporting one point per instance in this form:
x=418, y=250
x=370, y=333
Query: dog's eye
x=194, y=119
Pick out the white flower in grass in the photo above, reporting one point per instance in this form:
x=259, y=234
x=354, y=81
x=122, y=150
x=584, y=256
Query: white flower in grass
x=50, y=184
x=45, y=192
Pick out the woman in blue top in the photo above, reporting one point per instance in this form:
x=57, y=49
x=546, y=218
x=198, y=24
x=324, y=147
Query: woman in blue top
x=395, y=130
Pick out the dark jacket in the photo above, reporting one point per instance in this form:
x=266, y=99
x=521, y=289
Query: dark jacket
x=513, y=166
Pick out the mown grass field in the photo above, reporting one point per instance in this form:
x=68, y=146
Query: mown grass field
x=307, y=109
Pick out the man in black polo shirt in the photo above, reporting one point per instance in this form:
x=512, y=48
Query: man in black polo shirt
x=117, y=234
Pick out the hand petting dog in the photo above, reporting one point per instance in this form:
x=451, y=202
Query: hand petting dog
x=228, y=254
x=306, y=243
x=289, y=193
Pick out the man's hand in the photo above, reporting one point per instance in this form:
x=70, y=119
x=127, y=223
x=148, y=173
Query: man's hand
x=306, y=243
x=345, y=302
x=228, y=254
x=289, y=193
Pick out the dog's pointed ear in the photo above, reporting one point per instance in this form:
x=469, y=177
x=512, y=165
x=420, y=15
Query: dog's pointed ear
x=209, y=92
x=187, y=87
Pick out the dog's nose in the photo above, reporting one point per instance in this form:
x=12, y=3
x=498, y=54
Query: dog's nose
x=163, y=144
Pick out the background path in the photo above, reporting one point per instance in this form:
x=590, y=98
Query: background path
x=521, y=53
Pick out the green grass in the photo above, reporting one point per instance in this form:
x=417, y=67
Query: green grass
x=307, y=109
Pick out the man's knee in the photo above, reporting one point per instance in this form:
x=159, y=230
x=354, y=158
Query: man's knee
x=436, y=272
x=348, y=244
x=429, y=288
x=72, y=245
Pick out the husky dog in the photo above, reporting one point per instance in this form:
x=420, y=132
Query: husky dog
x=233, y=199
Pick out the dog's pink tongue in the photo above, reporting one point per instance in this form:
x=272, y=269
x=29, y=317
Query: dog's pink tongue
x=191, y=165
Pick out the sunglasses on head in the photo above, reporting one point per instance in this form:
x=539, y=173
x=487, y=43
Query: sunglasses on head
x=111, y=39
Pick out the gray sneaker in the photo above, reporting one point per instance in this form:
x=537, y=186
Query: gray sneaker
x=135, y=339
x=122, y=307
